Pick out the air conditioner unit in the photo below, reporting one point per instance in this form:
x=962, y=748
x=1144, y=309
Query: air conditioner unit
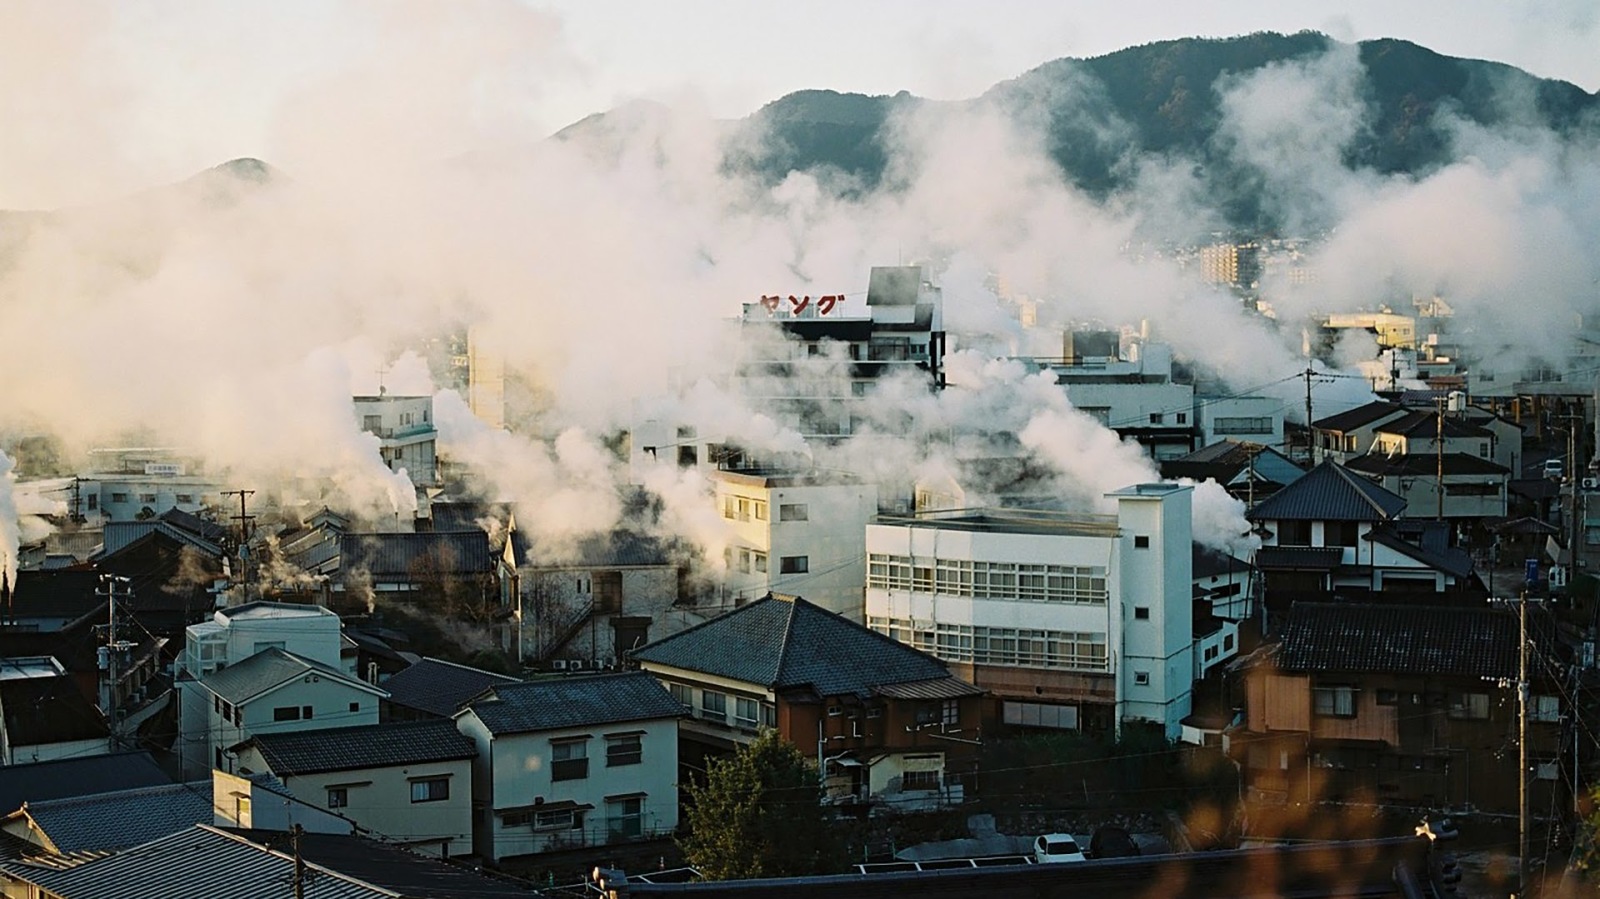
x=559, y=665
x=576, y=664
x=1591, y=483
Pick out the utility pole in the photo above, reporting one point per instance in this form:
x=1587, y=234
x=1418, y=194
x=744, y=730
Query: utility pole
x=1522, y=745
x=1438, y=449
x=244, y=535
x=111, y=654
x=1307, y=375
x=299, y=862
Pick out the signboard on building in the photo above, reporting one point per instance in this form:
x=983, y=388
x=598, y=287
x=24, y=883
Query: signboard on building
x=164, y=469
x=796, y=305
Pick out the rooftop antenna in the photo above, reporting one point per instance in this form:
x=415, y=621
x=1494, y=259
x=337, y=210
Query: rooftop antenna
x=383, y=369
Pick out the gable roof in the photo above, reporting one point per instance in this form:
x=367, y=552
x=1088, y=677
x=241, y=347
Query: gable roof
x=1425, y=465
x=1358, y=417
x=1383, y=638
x=783, y=642
x=1329, y=493
x=103, y=822
x=560, y=702
x=1426, y=542
x=404, y=556
x=119, y=535
x=388, y=745
x=269, y=669
x=41, y=781
x=1425, y=426
x=438, y=687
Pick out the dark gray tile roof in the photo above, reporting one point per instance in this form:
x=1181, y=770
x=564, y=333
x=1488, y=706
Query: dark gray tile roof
x=1395, y=638
x=785, y=642
x=1425, y=425
x=119, y=535
x=560, y=702
x=404, y=556
x=1358, y=417
x=1425, y=464
x=1329, y=493
x=41, y=781
x=406, y=873
x=267, y=669
x=388, y=745
x=209, y=531
x=1426, y=545
x=439, y=687
x=110, y=821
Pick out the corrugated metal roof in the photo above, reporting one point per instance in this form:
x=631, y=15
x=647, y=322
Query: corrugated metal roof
x=785, y=642
x=560, y=702
x=939, y=688
x=386, y=745
x=111, y=821
x=438, y=687
x=199, y=861
x=1329, y=493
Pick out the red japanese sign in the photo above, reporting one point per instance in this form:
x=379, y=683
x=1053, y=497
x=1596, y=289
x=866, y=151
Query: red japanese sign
x=825, y=304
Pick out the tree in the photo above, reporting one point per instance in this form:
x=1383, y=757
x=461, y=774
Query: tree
x=760, y=814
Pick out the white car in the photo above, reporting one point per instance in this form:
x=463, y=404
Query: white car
x=1056, y=847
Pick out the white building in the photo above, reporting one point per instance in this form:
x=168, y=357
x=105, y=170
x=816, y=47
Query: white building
x=1073, y=621
x=406, y=435
x=1130, y=392
x=797, y=533
x=1257, y=419
x=573, y=762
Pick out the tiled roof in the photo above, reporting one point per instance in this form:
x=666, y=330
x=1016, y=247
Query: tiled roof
x=119, y=535
x=1425, y=464
x=1340, y=637
x=269, y=668
x=197, y=861
x=785, y=642
x=41, y=781
x=1526, y=526
x=616, y=549
x=389, y=745
x=1357, y=417
x=206, y=530
x=1329, y=493
x=111, y=821
x=1282, y=558
x=560, y=702
x=439, y=687
x=404, y=556
x=405, y=873
x=1427, y=542
x=939, y=688
x=48, y=594
x=1425, y=425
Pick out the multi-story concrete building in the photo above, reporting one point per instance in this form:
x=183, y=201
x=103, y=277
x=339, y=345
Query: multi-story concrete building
x=1131, y=392
x=797, y=532
x=1072, y=621
x=1258, y=419
x=406, y=436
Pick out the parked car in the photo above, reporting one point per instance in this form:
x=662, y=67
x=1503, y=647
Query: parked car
x=1056, y=847
x=1555, y=467
x=1110, y=841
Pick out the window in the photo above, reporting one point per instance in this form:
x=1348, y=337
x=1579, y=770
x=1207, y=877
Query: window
x=355, y=707
x=682, y=694
x=286, y=713
x=919, y=781
x=569, y=760
x=516, y=819
x=305, y=712
x=560, y=819
x=430, y=789
x=1227, y=643
x=714, y=706
x=794, y=512
x=835, y=711
x=185, y=497
x=1546, y=708
x=727, y=507
x=1294, y=533
x=373, y=423
x=688, y=456
x=94, y=501
x=147, y=497
x=758, y=561
x=1211, y=653
x=1141, y=678
x=119, y=497
x=623, y=749
x=950, y=714
x=746, y=712
x=1141, y=541
x=761, y=510
x=744, y=509
x=1141, y=612
x=1155, y=418
x=1473, y=706
x=339, y=797
x=1183, y=418
x=769, y=715
x=744, y=559
x=1388, y=697
x=1340, y=533
x=1243, y=425
x=625, y=818
x=1338, y=702
x=794, y=564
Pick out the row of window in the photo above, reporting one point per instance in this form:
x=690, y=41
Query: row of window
x=143, y=498
x=624, y=818
x=569, y=759
x=1339, y=701
x=233, y=713
x=1078, y=651
x=1242, y=425
x=742, y=508
x=748, y=714
x=987, y=580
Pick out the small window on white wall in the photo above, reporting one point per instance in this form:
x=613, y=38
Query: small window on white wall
x=1141, y=678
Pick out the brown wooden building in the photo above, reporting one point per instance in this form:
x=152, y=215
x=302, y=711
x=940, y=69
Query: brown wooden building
x=887, y=724
x=1400, y=705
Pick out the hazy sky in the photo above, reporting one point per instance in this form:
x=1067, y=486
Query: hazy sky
x=110, y=95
